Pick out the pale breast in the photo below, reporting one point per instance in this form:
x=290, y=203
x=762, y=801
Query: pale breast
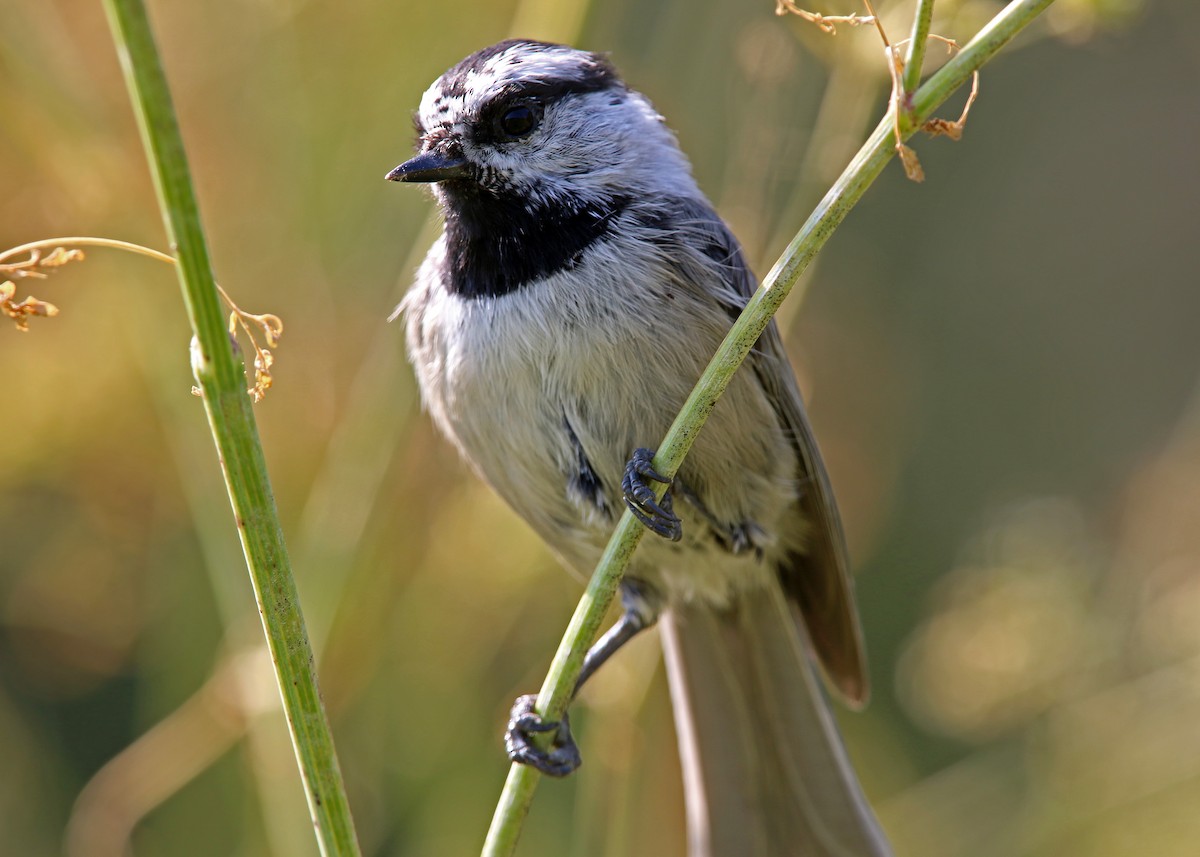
x=601, y=358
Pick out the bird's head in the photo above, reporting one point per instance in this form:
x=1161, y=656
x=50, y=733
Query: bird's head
x=543, y=123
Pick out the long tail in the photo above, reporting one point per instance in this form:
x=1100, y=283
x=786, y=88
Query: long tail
x=764, y=770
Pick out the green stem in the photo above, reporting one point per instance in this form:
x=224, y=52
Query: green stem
x=866, y=166
x=221, y=377
x=917, y=44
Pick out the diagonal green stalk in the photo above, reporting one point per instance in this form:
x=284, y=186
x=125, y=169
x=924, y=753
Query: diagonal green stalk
x=517, y=795
x=220, y=375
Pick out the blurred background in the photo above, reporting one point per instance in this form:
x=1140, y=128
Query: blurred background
x=1001, y=365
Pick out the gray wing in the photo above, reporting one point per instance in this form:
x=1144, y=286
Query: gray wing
x=817, y=582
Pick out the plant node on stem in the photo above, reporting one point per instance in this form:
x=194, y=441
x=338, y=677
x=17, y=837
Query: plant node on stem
x=37, y=266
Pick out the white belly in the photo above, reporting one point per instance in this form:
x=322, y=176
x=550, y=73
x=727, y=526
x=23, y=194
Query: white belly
x=503, y=377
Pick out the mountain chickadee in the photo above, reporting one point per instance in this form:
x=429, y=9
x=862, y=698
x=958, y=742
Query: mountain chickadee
x=580, y=286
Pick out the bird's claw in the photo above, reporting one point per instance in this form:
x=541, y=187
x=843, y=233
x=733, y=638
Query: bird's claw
x=658, y=515
x=563, y=756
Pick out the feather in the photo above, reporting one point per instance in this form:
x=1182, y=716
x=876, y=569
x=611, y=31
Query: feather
x=765, y=773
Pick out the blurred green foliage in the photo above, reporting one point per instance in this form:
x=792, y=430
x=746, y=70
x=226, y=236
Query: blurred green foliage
x=1001, y=365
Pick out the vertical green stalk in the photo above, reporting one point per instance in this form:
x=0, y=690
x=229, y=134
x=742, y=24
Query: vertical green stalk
x=517, y=795
x=220, y=375
x=917, y=43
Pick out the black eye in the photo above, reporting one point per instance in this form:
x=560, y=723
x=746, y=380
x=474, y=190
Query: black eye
x=517, y=122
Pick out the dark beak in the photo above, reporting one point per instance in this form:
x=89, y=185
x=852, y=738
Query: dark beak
x=429, y=167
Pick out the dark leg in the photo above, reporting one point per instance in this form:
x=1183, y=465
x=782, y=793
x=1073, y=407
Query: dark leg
x=523, y=722
x=657, y=515
x=628, y=626
x=563, y=756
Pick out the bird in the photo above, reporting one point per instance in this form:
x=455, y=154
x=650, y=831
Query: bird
x=580, y=284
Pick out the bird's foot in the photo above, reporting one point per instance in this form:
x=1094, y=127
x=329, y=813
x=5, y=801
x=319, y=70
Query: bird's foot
x=563, y=756
x=657, y=515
